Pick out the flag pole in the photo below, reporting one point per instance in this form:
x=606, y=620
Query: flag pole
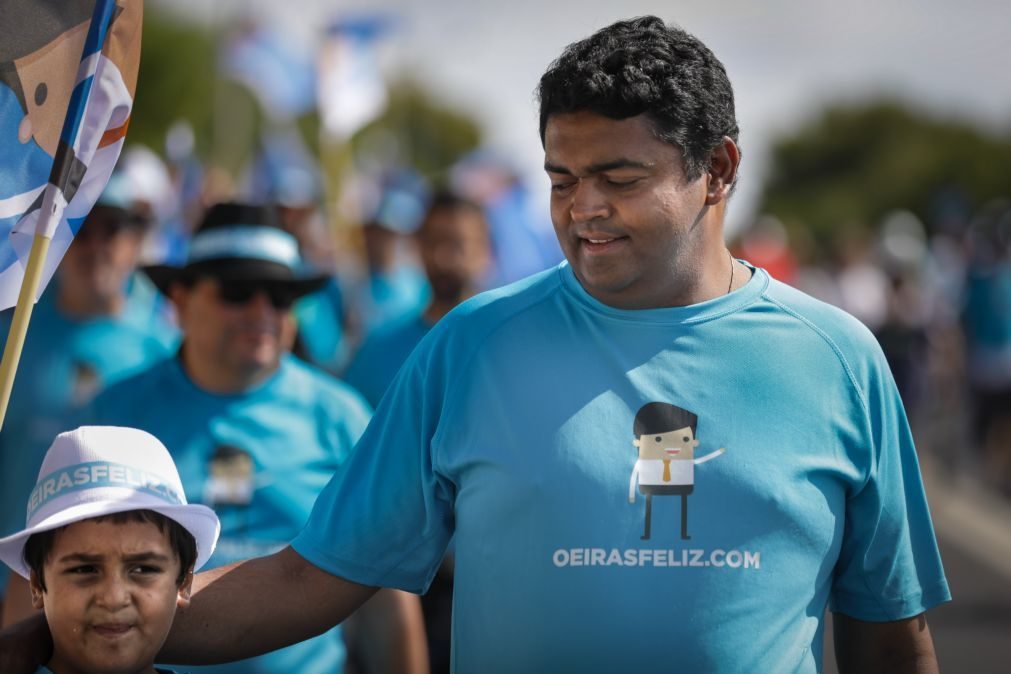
x=19, y=323
x=53, y=204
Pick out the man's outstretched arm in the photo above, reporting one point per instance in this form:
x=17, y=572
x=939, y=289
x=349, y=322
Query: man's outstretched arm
x=259, y=605
x=898, y=647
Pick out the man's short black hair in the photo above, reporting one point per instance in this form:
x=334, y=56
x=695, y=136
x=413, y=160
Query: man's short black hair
x=643, y=66
x=657, y=418
x=448, y=200
x=38, y=546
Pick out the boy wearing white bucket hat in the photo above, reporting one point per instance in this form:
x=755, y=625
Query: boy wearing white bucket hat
x=109, y=547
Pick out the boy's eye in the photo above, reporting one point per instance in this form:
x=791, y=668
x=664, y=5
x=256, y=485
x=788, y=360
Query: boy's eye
x=82, y=569
x=146, y=569
x=685, y=438
x=659, y=439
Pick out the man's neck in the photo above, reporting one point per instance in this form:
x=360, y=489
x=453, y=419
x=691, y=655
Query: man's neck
x=74, y=303
x=440, y=306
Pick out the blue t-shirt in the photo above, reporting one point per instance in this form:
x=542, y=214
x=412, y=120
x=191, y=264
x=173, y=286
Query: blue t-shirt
x=63, y=364
x=384, y=298
x=320, y=318
x=379, y=358
x=512, y=426
x=259, y=459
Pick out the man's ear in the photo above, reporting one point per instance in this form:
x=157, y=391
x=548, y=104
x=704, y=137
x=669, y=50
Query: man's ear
x=185, y=590
x=722, y=172
x=38, y=595
x=635, y=442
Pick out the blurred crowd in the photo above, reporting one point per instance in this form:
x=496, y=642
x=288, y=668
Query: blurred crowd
x=364, y=289
x=937, y=296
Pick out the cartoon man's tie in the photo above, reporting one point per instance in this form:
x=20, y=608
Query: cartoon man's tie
x=666, y=470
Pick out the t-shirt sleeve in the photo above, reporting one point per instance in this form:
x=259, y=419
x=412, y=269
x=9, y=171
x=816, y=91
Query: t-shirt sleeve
x=889, y=567
x=386, y=518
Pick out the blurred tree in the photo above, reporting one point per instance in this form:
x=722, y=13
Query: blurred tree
x=419, y=131
x=855, y=163
x=178, y=80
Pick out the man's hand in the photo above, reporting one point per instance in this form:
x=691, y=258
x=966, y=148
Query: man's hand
x=897, y=647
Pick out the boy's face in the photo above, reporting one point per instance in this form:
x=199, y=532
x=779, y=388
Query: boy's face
x=111, y=595
x=679, y=444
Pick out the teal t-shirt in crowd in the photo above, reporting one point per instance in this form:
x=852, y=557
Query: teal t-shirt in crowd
x=512, y=426
x=379, y=358
x=258, y=458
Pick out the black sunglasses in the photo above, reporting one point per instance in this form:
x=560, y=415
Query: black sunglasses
x=240, y=292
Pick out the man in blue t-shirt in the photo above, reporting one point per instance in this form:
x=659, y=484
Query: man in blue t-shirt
x=507, y=429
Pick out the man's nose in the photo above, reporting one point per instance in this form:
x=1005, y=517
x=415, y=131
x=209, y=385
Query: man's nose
x=588, y=202
x=259, y=302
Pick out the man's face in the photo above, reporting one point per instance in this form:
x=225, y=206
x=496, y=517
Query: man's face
x=675, y=445
x=110, y=595
x=455, y=251
x=241, y=333
x=102, y=255
x=627, y=218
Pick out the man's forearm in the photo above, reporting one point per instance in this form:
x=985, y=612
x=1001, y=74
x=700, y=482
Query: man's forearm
x=898, y=647
x=389, y=634
x=256, y=606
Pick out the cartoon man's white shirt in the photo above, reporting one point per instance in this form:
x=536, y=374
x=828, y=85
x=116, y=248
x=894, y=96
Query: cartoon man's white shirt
x=677, y=472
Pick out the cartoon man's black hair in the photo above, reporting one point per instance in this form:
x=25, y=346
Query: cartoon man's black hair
x=657, y=418
x=36, y=29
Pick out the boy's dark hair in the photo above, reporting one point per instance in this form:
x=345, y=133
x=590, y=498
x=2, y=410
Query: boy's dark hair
x=643, y=66
x=656, y=418
x=38, y=546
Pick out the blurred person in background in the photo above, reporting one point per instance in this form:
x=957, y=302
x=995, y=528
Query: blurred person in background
x=255, y=432
x=766, y=244
x=986, y=317
x=320, y=316
x=455, y=250
x=95, y=324
x=453, y=242
x=523, y=242
x=393, y=286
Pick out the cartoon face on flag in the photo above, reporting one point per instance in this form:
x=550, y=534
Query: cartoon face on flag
x=68, y=73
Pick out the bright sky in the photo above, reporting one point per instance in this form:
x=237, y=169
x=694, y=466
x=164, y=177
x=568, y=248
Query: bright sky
x=786, y=58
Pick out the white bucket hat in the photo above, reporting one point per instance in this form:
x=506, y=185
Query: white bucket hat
x=100, y=470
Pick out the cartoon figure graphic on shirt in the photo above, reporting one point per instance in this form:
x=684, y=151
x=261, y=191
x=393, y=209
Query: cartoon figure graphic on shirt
x=665, y=436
